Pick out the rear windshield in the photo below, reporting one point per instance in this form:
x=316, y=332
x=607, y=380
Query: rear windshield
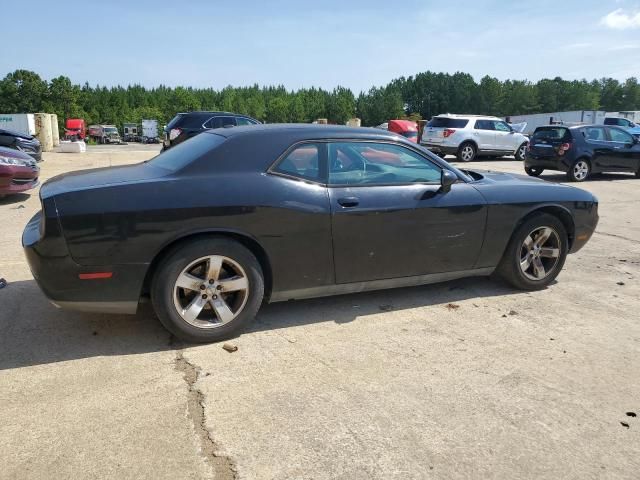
x=410, y=134
x=186, y=152
x=445, y=122
x=551, y=133
x=174, y=121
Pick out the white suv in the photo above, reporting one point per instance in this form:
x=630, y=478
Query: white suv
x=467, y=136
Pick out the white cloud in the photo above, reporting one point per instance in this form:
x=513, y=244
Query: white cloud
x=620, y=20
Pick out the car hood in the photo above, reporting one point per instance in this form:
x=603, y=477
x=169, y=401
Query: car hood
x=13, y=133
x=499, y=187
x=100, y=177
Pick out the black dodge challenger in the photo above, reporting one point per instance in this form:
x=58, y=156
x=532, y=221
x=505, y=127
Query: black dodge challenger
x=221, y=222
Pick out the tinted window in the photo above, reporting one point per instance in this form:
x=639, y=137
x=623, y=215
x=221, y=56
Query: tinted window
x=302, y=162
x=550, y=134
x=174, y=121
x=244, y=121
x=368, y=163
x=410, y=134
x=620, y=136
x=594, y=134
x=185, y=152
x=220, y=122
x=446, y=122
x=484, y=125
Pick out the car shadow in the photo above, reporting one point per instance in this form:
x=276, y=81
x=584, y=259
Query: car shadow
x=14, y=198
x=34, y=332
x=596, y=177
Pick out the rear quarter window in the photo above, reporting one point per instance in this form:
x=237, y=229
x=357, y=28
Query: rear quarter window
x=186, y=152
x=445, y=122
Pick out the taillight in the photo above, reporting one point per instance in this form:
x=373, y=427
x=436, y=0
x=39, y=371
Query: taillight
x=563, y=148
x=173, y=134
x=448, y=132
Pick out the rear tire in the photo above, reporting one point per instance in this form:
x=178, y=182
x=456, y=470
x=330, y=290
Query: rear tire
x=579, y=171
x=531, y=262
x=533, y=171
x=467, y=152
x=223, y=292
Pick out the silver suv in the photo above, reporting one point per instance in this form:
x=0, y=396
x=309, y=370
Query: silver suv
x=467, y=136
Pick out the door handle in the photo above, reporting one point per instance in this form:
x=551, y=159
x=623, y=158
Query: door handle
x=348, y=201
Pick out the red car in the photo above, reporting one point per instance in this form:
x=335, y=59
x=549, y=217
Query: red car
x=18, y=172
x=406, y=128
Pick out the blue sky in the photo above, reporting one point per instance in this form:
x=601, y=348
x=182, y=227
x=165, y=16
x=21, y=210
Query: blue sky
x=324, y=43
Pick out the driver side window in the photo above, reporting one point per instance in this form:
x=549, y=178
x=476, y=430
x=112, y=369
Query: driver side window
x=371, y=163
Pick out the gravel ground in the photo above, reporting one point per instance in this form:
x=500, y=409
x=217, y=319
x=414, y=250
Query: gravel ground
x=467, y=379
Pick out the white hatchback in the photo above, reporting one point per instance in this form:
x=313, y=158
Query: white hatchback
x=467, y=136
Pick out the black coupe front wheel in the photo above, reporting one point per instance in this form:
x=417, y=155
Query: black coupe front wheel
x=207, y=289
x=535, y=254
x=533, y=171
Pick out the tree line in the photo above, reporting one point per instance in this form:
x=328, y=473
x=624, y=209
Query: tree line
x=420, y=96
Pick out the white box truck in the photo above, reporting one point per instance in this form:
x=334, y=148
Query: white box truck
x=577, y=117
x=150, y=131
x=18, y=122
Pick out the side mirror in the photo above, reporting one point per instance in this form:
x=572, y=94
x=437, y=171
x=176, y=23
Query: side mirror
x=447, y=179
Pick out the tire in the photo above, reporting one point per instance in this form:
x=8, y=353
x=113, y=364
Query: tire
x=533, y=171
x=518, y=266
x=467, y=152
x=521, y=152
x=209, y=324
x=441, y=154
x=579, y=171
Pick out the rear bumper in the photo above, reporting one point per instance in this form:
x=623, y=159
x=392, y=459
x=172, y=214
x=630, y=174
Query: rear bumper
x=562, y=164
x=58, y=275
x=439, y=148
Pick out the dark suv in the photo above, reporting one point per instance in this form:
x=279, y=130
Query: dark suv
x=581, y=151
x=186, y=125
x=21, y=141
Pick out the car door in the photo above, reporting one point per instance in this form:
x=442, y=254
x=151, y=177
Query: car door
x=485, y=135
x=504, y=137
x=625, y=151
x=389, y=218
x=599, y=147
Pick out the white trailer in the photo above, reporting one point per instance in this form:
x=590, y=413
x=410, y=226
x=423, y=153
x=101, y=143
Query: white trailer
x=577, y=117
x=18, y=122
x=150, y=131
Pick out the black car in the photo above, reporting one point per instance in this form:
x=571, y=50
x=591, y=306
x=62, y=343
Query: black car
x=21, y=141
x=186, y=125
x=581, y=151
x=215, y=225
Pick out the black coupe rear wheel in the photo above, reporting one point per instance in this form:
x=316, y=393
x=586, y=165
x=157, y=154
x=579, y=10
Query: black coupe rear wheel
x=533, y=171
x=206, y=289
x=535, y=254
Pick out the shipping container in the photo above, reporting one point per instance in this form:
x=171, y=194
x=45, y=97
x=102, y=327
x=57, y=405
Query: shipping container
x=18, y=122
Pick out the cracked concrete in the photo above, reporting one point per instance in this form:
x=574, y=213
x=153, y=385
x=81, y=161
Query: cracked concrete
x=380, y=385
x=222, y=466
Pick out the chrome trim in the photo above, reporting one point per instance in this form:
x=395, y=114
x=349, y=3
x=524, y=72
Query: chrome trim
x=346, y=288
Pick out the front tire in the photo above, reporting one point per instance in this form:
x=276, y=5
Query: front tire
x=533, y=171
x=536, y=253
x=521, y=152
x=579, y=171
x=467, y=152
x=207, y=289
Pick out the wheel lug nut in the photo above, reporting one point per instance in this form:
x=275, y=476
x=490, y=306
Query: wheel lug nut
x=211, y=282
x=215, y=297
x=202, y=287
x=204, y=297
x=219, y=287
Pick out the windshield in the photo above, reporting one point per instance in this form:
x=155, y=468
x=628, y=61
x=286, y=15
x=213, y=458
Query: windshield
x=446, y=122
x=111, y=130
x=186, y=152
x=174, y=121
x=550, y=133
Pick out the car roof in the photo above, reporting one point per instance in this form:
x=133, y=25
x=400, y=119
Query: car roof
x=460, y=115
x=304, y=130
x=207, y=112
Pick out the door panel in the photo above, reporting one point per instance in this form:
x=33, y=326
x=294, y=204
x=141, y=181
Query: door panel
x=399, y=231
x=624, y=153
x=504, y=137
x=485, y=135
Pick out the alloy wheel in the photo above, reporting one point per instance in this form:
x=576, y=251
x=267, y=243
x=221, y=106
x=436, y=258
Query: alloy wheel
x=211, y=291
x=467, y=153
x=581, y=170
x=522, y=151
x=539, y=253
